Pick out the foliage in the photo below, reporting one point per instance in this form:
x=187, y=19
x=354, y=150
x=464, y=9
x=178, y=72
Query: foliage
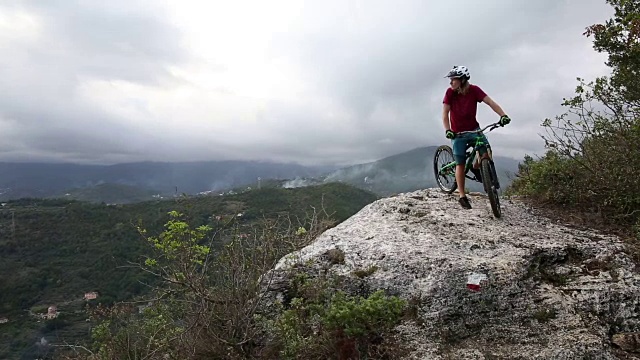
x=213, y=286
x=323, y=323
x=592, y=163
x=359, y=317
x=109, y=193
x=619, y=37
x=210, y=304
x=56, y=250
x=179, y=242
x=153, y=335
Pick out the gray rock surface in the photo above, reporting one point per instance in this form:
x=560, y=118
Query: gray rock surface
x=551, y=291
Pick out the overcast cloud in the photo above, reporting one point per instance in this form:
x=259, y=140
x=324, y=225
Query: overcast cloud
x=315, y=82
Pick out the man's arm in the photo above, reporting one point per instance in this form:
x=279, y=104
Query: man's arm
x=493, y=105
x=445, y=116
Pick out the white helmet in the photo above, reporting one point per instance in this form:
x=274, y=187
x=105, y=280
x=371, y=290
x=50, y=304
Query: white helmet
x=459, y=72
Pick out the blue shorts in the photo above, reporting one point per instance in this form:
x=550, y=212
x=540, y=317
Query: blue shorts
x=464, y=141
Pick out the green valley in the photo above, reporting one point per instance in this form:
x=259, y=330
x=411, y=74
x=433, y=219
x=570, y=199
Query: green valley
x=56, y=251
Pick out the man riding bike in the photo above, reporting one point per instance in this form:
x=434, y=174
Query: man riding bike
x=459, y=114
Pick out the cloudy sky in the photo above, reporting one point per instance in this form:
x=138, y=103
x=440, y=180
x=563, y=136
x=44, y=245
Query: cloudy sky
x=314, y=82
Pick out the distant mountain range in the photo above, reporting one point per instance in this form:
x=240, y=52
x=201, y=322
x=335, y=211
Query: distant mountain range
x=134, y=182
x=404, y=172
x=20, y=180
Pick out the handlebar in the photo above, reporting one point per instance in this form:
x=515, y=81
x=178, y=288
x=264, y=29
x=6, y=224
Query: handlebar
x=492, y=126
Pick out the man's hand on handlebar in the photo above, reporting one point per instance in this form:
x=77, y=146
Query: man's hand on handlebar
x=450, y=134
x=504, y=120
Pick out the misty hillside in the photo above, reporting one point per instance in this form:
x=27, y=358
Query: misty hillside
x=408, y=171
x=133, y=182
x=110, y=194
x=19, y=180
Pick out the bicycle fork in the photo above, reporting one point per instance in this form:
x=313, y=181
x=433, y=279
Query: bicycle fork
x=494, y=175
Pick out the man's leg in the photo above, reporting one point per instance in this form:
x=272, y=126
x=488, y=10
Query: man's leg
x=460, y=179
x=459, y=148
x=464, y=201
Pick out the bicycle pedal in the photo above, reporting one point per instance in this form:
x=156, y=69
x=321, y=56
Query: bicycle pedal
x=476, y=173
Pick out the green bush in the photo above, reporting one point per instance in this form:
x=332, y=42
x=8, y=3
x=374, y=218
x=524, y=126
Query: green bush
x=208, y=292
x=604, y=178
x=151, y=335
x=552, y=178
x=360, y=317
x=592, y=163
x=324, y=324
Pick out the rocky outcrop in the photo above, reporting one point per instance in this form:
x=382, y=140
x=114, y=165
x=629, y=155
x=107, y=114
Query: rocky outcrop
x=518, y=287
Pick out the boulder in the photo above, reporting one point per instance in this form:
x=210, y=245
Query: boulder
x=518, y=287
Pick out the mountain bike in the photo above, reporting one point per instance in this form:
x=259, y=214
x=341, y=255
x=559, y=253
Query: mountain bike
x=444, y=168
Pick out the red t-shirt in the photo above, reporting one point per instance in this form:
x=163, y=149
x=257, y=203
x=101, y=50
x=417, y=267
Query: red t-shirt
x=463, y=108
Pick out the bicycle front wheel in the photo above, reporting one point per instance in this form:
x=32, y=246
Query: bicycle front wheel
x=444, y=169
x=489, y=183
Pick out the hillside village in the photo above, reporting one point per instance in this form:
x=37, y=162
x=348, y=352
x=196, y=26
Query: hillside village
x=50, y=312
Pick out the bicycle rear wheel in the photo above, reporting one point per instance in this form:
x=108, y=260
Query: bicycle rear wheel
x=444, y=169
x=489, y=182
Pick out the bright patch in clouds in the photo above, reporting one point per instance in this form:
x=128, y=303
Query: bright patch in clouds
x=311, y=82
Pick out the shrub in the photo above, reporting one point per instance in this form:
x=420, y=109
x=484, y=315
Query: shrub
x=210, y=289
x=340, y=328
x=592, y=161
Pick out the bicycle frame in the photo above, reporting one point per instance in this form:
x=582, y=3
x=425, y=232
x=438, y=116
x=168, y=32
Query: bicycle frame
x=479, y=147
x=485, y=173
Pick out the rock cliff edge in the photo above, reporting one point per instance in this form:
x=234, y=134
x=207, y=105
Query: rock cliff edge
x=519, y=287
